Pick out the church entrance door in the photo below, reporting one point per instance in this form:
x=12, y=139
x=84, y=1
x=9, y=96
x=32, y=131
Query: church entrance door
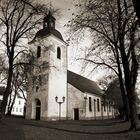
x=76, y=113
x=38, y=109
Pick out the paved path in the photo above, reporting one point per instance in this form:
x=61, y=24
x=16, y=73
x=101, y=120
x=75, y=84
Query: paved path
x=20, y=129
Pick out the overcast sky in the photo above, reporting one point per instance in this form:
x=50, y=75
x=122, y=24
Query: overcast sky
x=65, y=6
x=66, y=9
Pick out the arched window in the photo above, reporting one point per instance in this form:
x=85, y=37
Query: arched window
x=38, y=51
x=58, y=53
x=46, y=24
x=98, y=105
x=90, y=104
x=104, y=107
x=52, y=23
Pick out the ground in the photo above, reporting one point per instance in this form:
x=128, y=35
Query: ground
x=21, y=129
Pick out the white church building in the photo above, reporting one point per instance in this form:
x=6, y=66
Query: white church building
x=55, y=93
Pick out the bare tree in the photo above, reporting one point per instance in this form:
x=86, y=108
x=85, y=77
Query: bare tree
x=1, y=64
x=18, y=18
x=136, y=4
x=113, y=93
x=105, y=81
x=113, y=26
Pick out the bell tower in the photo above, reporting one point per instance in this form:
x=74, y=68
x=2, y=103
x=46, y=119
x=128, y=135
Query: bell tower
x=48, y=78
x=49, y=22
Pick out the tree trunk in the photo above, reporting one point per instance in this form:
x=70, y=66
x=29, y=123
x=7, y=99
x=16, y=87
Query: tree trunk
x=11, y=107
x=133, y=110
x=125, y=101
x=123, y=92
x=8, y=89
x=9, y=103
x=126, y=108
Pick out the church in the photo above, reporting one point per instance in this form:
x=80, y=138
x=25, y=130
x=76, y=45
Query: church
x=54, y=92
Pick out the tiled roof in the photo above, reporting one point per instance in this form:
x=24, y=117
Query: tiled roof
x=47, y=32
x=83, y=84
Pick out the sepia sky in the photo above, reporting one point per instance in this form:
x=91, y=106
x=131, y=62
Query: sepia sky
x=62, y=4
x=66, y=8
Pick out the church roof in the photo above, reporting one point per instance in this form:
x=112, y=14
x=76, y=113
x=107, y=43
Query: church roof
x=44, y=33
x=83, y=84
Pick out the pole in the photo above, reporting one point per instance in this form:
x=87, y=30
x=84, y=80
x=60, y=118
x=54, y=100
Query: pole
x=59, y=111
x=56, y=99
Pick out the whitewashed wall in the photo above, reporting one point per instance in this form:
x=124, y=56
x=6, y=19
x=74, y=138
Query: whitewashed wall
x=55, y=83
x=76, y=99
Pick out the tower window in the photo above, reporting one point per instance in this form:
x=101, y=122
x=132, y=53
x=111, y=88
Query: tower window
x=52, y=23
x=58, y=53
x=38, y=51
x=46, y=24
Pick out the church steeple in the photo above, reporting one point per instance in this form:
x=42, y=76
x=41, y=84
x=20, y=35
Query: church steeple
x=48, y=28
x=49, y=22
